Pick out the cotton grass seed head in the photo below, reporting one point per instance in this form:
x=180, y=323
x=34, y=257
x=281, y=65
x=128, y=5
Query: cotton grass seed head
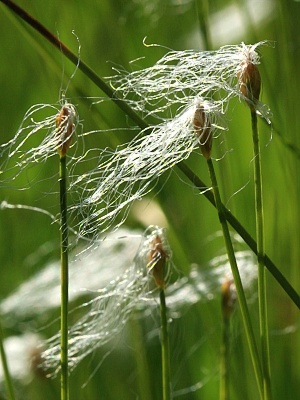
x=158, y=255
x=38, y=138
x=249, y=77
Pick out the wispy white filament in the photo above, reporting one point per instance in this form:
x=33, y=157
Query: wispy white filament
x=34, y=142
x=180, y=76
x=131, y=171
x=170, y=91
x=100, y=198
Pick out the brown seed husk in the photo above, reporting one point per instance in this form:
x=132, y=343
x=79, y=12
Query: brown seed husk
x=202, y=128
x=157, y=261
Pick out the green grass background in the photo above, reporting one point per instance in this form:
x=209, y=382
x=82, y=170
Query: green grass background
x=112, y=33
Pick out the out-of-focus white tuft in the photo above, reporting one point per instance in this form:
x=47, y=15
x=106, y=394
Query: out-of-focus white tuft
x=107, y=313
x=22, y=353
x=90, y=271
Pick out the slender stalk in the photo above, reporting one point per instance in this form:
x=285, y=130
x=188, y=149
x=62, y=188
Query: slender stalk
x=64, y=280
x=225, y=359
x=166, y=381
x=157, y=257
x=7, y=376
x=237, y=282
x=202, y=8
x=262, y=298
x=283, y=282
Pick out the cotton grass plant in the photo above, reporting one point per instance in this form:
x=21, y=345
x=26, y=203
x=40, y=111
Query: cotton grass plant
x=64, y=135
x=250, y=86
x=203, y=130
x=158, y=256
x=56, y=136
x=168, y=95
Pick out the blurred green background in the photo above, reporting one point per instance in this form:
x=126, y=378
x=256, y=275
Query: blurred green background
x=112, y=33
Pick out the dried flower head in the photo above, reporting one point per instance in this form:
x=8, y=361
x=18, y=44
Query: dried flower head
x=65, y=128
x=132, y=170
x=203, y=130
x=249, y=77
x=37, y=139
x=155, y=253
x=158, y=257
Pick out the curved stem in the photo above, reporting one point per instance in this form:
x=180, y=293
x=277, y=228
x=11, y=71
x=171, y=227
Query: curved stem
x=64, y=281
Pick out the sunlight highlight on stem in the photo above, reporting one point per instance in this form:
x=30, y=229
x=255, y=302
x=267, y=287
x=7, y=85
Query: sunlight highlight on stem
x=64, y=282
x=262, y=295
x=165, y=347
x=63, y=134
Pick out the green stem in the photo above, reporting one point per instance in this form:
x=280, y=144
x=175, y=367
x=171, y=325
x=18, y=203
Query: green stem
x=283, y=282
x=202, y=8
x=237, y=281
x=262, y=298
x=225, y=359
x=64, y=280
x=7, y=376
x=166, y=381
